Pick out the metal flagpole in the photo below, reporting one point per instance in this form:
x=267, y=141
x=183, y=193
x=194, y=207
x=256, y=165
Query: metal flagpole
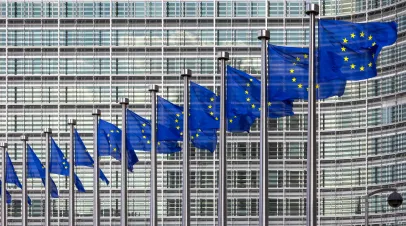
x=263, y=35
x=3, y=145
x=222, y=202
x=311, y=209
x=124, y=162
x=153, y=89
x=96, y=171
x=48, y=133
x=186, y=74
x=71, y=123
x=24, y=139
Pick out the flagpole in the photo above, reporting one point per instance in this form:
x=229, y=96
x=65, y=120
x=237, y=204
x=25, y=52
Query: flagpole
x=263, y=35
x=71, y=123
x=24, y=139
x=3, y=145
x=186, y=74
x=96, y=171
x=124, y=162
x=311, y=209
x=153, y=89
x=48, y=133
x=222, y=202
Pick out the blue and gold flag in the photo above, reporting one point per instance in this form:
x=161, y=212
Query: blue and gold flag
x=109, y=143
x=244, y=100
x=139, y=135
x=60, y=166
x=170, y=118
x=349, y=50
x=83, y=158
x=35, y=169
x=11, y=175
x=7, y=194
x=204, y=108
x=289, y=75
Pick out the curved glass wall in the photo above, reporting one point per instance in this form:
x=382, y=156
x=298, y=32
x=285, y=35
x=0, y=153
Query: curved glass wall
x=61, y=59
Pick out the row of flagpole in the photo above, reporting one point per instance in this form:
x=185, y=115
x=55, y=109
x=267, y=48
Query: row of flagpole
x=263, y=35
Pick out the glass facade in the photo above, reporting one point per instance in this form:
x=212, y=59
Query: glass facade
x=61, y=59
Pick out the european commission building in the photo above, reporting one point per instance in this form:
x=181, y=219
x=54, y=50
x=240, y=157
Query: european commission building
x=62, y=59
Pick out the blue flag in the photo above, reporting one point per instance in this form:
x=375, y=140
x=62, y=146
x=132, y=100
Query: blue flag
x=170, y=117
x=350, y=50
x=35, y=169
x=7, y=194
x=244, y=100
x=204, y=108
x=289, y=75
x=83, y=158
x=60, y=166
x=109, y=143
x=11, y=176
x=139, y=135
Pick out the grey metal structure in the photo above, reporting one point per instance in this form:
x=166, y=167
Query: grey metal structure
x=153, y=89
x=48, y=132
x=24, y=210
x=72, y=212
x=3, y=146
x=96, y=169
x=311, y=211
x=222, y=191
x=366, y=202
x=263, y=35
x=124, y=161
x=186, y=74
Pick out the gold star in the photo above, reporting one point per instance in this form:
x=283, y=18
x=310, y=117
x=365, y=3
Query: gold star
x=108, y=134
x=210, y=106
x=177, y=115
x=148, y=142
x=115, y=149
x=248, y=99
x=211, y=113
x=362, y=34
x=178, y=127
x=231, y=121
x=197, y=135
x=374, y=43
x=192, y=137
x=217, y=118
x=145, y=137
x=373, y=55
x=269, y=103
x=345, y=40
x=343, y=49
x=370, y=37
x=111, y=131
x=250, y=79
x=143, y=124
x=142, y=131
x=352, y=35
x=297, y=59
x=253, y=105
x=235, y=116
x=159, y=143
x=181, y=133
x=352, y=66
x=346, y=59
x=294, y=63
x=248, y=85
x=317, y=86
x=246, y=91
x=293, y=79
x=212, y=99
x=291, y=71
x=361, y=68
x=176, y=120
x=370, y=64
x=305, y=56
x=300, y=86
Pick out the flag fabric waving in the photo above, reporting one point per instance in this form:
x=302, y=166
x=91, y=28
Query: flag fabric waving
x=350, y=50
x=109, y=143
x=59, y=165
x=11, y=176
x=35, y=169
x=7, y=194
x=139, y=135
x=82, y=156
x=289, y=75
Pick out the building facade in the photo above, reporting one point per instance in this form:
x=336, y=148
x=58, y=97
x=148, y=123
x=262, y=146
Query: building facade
x=61, y=59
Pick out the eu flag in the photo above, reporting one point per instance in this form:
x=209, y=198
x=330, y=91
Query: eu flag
x=83, y=158
x=289, y=75
x=60, y=166
x=204, y=108
x=7, y=194
x=109, y=143
x=35, y=169
x=350, y=50
x=11, y=175
x=139, y=135
x=244, y=100
x=170, y=117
